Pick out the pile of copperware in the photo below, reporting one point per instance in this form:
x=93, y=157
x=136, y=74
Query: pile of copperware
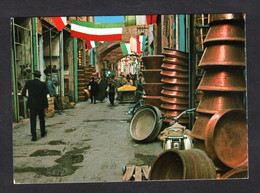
x=152, y=77
x=81, y=85
x=175, y=91
x=220, y=128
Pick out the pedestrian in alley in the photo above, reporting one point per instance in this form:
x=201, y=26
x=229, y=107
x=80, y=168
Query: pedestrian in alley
x=52, y=91
x=93, y=88
x=111, y=90
x=36, y=92
x=139, y=87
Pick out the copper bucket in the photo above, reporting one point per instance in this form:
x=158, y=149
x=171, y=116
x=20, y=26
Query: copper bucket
x=226, y=138
x=175, y=94
x=239, y=172
x=225, y=32
x=225, y=17
x=153, y=100
x=175, y=67
x=212, y=102
x=177, y=61
x=175, y=53
x=174, y=106
x=199, y=127
x=223, y=80
x=174, y=100
x=153, y=89
x=175, y=87
x=153, y=62
x=176, y=74
x=183, y=164
x=175, y=80
x=223, y=55
x=152, y=75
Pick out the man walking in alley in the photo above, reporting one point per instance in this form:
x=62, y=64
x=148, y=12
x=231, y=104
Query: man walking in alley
x=111, y=90
x=36, y=92
x=93, y=88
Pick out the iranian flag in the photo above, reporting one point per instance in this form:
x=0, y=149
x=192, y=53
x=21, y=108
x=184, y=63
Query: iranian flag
x=142, y=40
x=135, y=44
x=96, y=31
x=60, y=22
x=93, y=44
x=125, y=48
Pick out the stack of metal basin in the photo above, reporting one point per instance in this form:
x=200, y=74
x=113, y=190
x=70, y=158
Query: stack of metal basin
x=223, y=86
x=81, y=85
x=175, y=91
x=88, y=74
x=152, y=77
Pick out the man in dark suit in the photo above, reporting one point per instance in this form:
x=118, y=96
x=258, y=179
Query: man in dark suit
x=93, y=90
x=36, y=92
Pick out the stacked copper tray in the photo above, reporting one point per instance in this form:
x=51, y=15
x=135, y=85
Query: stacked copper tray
x=81, y=85
x=220, y=114
x=175, y=76
x=152, y=77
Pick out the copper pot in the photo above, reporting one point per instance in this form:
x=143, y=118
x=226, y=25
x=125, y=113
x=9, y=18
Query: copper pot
x=174, y=106
x=175, y=80
x=178, y=61
x=175, y=87
x=153, y=62
x=223, y=55
x=174, y=100
x=175, y=94
x=152, y=100
x=225, y=32
x=226, y=138
x=199, y=127
x=175, y=53
x=175, y=74
x=212, y=102
x=223, y=80
x=152, y=75
x=225, y=17
x=175, y=67
x=153, y=89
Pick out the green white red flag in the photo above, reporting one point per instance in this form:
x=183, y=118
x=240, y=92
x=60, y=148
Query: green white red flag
x=137, y=44
x=93, y=44
x=125, y=48
x=60, y=22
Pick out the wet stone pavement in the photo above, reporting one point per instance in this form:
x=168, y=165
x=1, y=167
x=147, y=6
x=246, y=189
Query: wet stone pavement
x=88, y=143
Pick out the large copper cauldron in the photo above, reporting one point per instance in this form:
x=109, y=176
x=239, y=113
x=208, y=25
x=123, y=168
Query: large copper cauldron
x=225, y=17
x=212, y=102
x=175, y=87
x=177, y=61
x=152, y=62
x=223, y=80
x=175, y=80
x=153, y=89
x=175, y=67
x=174, y=100
x=168, y=52
x=152, y=75
x=226, y=138
x=225, y=32
x=176, y=74
x=183, y=164
x=223, y=55
x=152, y=100
x=175, y=94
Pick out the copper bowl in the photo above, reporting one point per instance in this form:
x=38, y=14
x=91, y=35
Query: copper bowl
x=174, y=106
x=177, y=61
x=223, y=80
x=225, y=32
x=176, y=74
x=175, y=53
x=199, y=127
x=152, y=75
x=174, y=100
x=212, y=102
x=153, y=89
x=175, y=80
x=175, y=94
x=152, y=100
x=226, y=138
x=223, y=55
x=153, y=62
x=174, y=67
x=239, y=172
x=225, y=17
x=175, y=87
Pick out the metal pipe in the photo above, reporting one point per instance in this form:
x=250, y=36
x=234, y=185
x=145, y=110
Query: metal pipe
x=75, y=69
x=61, y=65
x=34, y=42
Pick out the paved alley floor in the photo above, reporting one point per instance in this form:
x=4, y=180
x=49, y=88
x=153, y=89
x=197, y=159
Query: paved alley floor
x=88, y=143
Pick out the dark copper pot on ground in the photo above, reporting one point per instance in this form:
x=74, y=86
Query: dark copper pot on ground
x=174, y=100
x=239, y=172
x=183, y=164
x=153, y=62
x=199, y=127
x=225, y=55
x=152, y=100
x=168, y=52
x=175, y=80
x=212, y=102
x=176, y=74
x=153, y=89
x=225, y=32
x=175, y=87
x=176, y=61
x=175, y=94
x=152, y=75
x=226, y=138
x=225, y=17
x=231, y=79
x=175, y=67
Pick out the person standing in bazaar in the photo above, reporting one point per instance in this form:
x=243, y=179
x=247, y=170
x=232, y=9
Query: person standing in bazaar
x=93, y=88
x=111, y=90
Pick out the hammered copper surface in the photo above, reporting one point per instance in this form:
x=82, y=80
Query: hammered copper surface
x=152, y=75
x=174, y=106
x=153, y=89
x=212, y=102
x=226, y=138
x=223, y=55
x=177, y=61
x=176, y=74
x=223, y=80
x=175, y=67
x=175, y=87
x=199, y=127
x=225, y=17
x=175, y=53
x=239, y=172
x=175, y=80
x=225, y=32
x=152, y=100
x=175, y=94
x=153, y=62
x=183, y=164
x=174, y=100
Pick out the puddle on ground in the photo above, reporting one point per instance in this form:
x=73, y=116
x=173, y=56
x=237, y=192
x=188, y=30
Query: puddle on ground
x=56, y=143
x=45, y=152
